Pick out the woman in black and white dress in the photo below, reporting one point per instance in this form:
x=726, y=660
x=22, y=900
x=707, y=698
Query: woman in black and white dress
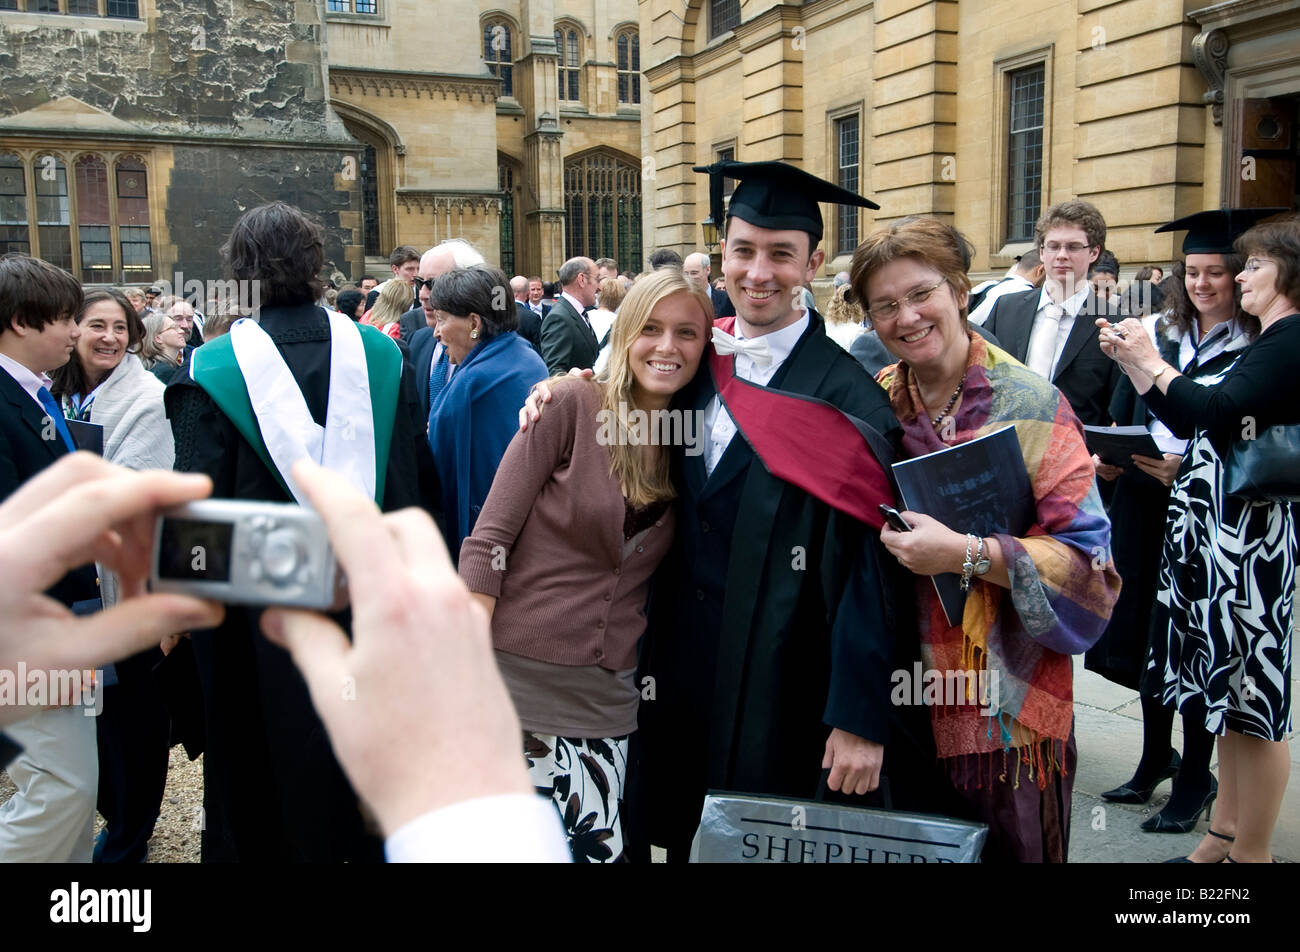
x=1228, y=571
x=1203, y=334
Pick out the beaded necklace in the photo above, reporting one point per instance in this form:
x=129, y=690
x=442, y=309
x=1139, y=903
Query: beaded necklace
x=951, y=403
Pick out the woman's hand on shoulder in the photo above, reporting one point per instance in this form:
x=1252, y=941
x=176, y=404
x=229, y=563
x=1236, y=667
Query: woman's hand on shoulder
x=541, y=395
x=931, y=548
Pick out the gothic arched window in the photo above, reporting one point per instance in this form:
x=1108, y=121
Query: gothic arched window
x=602, y=202
x=567, y=53
x=498, y=53
x=134, y=243
x=628, y=50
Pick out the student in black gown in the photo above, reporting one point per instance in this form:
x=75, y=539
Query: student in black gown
x=773, y=628
x=273, y=790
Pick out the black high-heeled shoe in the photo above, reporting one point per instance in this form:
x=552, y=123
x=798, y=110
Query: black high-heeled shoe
x=1168, y=822
x=1221, y=836
x=1130, y=793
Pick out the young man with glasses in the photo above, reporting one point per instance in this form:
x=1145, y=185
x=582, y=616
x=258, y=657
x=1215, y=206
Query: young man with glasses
x=1051, y=330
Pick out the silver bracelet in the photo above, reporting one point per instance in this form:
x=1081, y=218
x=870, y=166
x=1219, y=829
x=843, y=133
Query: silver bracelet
x=968, y=567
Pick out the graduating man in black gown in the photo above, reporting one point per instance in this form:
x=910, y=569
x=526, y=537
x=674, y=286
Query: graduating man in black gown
x=272, y=788
x=772, y=624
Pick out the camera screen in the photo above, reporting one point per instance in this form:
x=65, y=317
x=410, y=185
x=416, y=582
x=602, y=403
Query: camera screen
x=189, y=549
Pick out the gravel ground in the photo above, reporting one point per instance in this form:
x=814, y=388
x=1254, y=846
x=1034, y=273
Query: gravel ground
x=176, y=835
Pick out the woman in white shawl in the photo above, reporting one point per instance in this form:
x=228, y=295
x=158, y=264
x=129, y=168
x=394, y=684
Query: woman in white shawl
x=104, y=383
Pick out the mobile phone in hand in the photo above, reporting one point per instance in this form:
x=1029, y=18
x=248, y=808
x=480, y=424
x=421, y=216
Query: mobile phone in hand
x=894, y=518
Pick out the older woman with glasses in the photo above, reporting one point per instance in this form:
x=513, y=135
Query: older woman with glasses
x=473, y=415
x=1033, y=600
x=1228, y=571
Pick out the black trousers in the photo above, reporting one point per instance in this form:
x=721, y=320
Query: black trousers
x=134, y=741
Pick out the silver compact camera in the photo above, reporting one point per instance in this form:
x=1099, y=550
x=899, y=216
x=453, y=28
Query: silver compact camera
x=247, y=553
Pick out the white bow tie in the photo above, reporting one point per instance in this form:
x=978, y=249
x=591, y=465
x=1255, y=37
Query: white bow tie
x=756, y=350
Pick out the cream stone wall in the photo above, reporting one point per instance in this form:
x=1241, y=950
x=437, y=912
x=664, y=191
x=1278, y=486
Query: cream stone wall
x=1125, y=125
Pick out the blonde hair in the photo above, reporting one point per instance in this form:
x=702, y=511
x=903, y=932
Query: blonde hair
x=841, y=309
x=640, y=482
x=393, y=301
x=611, y=294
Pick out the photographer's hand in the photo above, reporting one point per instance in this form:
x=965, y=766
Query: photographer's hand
x=418, y=715
x=77, y=511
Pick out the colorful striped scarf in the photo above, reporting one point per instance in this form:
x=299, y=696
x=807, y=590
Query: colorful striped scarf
x=1063, y=579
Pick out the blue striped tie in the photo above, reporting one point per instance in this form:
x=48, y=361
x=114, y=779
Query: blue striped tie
x=55, y=414
x=438, y=378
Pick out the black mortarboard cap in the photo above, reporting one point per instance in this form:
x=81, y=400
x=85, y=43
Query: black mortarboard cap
x=775, y=195
x=1213, y=232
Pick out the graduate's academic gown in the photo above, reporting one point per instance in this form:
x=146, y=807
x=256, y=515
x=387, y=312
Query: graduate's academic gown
x=773, y=619
x=273, y=790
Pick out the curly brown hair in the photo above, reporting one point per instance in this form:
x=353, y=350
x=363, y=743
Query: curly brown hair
x=1075, y=212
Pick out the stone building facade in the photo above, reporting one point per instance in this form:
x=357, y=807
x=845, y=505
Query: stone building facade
x=512, y=123
x=134, y=132
x=982, y=113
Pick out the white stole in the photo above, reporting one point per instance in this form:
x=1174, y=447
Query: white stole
x=346, y=444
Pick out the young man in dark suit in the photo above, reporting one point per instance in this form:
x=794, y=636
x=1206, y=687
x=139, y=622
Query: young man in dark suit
x=567, y=338
x=51, y=817
x=1051, y=330
x=537, y=291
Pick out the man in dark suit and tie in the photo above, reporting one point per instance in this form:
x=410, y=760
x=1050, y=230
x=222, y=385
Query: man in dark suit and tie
x=51, y=817
x=567, y=338
x=530, y=323
x=1051, y=330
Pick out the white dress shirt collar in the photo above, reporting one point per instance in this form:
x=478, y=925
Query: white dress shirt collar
x=24, y=377
x=1072, y=305
x=574, y=302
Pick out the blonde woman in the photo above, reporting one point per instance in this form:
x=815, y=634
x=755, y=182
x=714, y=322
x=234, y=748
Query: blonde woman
x=577, y=520
x=608, y=300
x=844, y=317
x=393, y=301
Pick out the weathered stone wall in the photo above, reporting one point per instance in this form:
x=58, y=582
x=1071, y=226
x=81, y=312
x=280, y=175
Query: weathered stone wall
x=212, y=186
x=191, y=81
x=251, y=68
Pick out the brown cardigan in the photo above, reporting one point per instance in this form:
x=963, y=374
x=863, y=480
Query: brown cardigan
x=549, y=544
